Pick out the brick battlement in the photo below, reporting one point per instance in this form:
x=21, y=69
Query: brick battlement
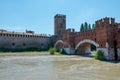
x=104, y=22
x=21, y=34
x=106, y=36
x=60, y=16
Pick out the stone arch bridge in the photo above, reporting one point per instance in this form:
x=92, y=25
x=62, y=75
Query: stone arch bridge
x=83, y=46
x=105, y=36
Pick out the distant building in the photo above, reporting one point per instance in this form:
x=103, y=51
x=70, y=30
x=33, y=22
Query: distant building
x=19, y=40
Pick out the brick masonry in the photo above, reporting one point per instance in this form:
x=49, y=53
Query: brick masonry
x=105, y=36
x=106, y=31
x=15, y=40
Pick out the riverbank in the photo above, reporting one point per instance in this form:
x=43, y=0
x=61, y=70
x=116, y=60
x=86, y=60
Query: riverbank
x=24, y=53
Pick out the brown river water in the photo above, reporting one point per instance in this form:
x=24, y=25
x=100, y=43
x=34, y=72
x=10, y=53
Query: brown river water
x=57, y=68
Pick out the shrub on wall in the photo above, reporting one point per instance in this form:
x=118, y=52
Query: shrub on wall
x=99, y=55
x=52, y=51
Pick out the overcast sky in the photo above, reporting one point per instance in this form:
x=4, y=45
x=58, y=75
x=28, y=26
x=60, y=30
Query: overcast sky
x=38, y=15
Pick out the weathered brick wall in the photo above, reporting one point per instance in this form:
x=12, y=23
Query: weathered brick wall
x=23, y=42
x=87, y=34
x=106, y=33
x=59, y=24
x=118, y=36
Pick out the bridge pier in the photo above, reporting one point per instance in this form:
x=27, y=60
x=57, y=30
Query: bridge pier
x=69, y=51
x=83, y=47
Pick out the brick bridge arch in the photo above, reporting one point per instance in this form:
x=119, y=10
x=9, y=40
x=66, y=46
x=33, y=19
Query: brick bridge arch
x=87, y=41
x=59, y=44
x=83, y=47
x=59, y=41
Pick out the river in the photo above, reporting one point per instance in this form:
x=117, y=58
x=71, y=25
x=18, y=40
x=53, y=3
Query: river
x=57, y=68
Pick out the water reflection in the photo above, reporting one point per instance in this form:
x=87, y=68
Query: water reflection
x=57, y=68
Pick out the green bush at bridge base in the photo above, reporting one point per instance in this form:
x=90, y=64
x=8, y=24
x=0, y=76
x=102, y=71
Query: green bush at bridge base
x=52, y=51
x=99, y=55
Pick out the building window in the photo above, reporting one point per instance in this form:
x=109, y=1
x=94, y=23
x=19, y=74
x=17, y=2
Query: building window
x=95, y=39
x=41, y=44
x=24, y=44
x=13, y=35
x=10, y=35
x=0, y=34
x=13, y=44
x=3, y=34
x=101, y=45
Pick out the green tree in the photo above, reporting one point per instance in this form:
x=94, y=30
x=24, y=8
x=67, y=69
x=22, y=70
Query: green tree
x=86, y=26
x=99, y=55
x=52, y=51
x=82, y=27
x=89, y=27
x=93, y=26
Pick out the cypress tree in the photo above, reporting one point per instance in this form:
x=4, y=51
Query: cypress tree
x=89, y=27
x=93, y=26
x=86, y=26
x=82, y=27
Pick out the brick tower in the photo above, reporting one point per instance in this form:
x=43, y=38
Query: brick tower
x=59, y=24
x=106, y=37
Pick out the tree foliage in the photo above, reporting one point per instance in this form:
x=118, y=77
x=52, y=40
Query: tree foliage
x=93, y=26
x=89, y=27
x=82, y=27
x=99, y=55
x=52, y=51
x=86, y=26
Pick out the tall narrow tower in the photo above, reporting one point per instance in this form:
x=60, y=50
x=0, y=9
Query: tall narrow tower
x=59, y=24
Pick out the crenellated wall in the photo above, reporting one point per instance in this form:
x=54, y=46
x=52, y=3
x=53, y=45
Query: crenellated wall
x=106, y=34
x=14, y=40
